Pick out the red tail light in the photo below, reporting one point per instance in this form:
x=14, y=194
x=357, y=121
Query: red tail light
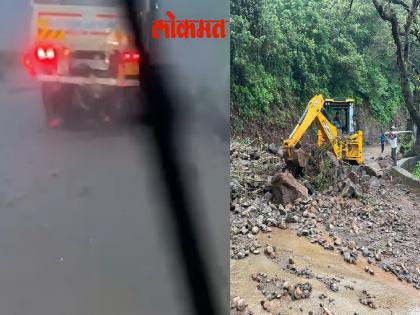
x=130, y=56
x=126, y=56
x=46, y=53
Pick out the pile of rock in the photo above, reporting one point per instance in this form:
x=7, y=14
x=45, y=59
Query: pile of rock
x=331, y=283
x=275, y=288
x=366, y=299
x=238, y=306
x=364, y=213
x=252, y=207
x=301, y=291
x=303, y=273
x=380, y=227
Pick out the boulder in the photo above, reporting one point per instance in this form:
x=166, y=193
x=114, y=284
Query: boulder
x=290, y=218
x=282, y=225
x=300, y=157
x=234, y=302
x=348, y=189
x=374, y=182
x=272, y=148
x=255, y=155
x=235, y=188
x=353, y=177
x=269, y=250
x=372, y=168
x=309, y=186
x=241, y=306
x=287, y=189
x=266, y=306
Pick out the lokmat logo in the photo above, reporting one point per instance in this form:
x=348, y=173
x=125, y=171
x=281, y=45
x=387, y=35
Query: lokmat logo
x=173, y=28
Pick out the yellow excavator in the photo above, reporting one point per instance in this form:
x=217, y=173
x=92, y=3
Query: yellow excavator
x=328, y=115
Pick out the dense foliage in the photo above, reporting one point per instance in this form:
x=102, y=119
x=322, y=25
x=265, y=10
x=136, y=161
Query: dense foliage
x=284, y=52
x=406, y=143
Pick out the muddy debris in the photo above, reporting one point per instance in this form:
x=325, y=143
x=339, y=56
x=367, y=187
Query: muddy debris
x=239, y=306
x=349, y=256
x=366, y=299
x=266, y=306
x=270, y=251
x=369, y=270
x=303, y=273
x=355, y=214
x=276, y=288
x=333, y=286
x=322, y=296
x=272, y=289
x=301, y=291
x=372, y=168
x=326, y=311
x=330, y=283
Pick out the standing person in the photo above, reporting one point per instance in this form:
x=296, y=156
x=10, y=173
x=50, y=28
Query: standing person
x=394, y=144
x=382, y=139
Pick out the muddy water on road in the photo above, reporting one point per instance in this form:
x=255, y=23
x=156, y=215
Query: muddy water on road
x=391, y=295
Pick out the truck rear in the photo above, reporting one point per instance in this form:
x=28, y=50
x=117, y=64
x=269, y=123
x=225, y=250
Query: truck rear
x=82, y=52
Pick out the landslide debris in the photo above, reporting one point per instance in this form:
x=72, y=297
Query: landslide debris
x=358, y=211
x=275, y=288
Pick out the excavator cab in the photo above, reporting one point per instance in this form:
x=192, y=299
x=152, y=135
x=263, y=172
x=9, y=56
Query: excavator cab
x=344, y=109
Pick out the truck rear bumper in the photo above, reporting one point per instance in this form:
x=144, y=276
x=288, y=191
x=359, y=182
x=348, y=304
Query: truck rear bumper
x=86, y=80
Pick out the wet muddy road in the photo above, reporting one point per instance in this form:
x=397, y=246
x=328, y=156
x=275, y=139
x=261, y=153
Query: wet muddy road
x=374, y=151
x=390, y=295
x=81, y=215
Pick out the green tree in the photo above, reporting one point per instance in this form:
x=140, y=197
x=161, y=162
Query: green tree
x=283, y=52
x=403, y=18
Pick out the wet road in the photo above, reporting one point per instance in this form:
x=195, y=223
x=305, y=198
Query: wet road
x=390, y=295
x=81, y=227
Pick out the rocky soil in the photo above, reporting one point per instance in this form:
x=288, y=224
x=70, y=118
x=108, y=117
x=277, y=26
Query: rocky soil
x=358, y=211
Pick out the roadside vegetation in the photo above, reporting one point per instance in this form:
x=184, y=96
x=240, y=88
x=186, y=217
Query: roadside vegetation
x=417, y=170
x=407, y=145
x=284, y=52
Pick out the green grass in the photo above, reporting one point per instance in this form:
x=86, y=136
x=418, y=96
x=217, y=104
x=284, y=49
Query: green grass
x=417, y=170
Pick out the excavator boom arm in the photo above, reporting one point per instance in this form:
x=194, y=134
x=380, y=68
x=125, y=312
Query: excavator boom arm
x=313, y=113
x=329, y=131
x=312, y=110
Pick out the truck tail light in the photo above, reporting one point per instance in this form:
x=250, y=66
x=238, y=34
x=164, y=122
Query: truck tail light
x=130, y=56
x=46, y=53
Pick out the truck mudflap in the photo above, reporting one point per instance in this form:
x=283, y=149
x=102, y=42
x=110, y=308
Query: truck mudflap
x=86, y=80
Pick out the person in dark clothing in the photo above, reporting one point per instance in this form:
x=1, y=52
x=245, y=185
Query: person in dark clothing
x=337, y=123
x=382, y=139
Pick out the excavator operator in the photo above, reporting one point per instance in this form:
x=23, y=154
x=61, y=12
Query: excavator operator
x=337, y=123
